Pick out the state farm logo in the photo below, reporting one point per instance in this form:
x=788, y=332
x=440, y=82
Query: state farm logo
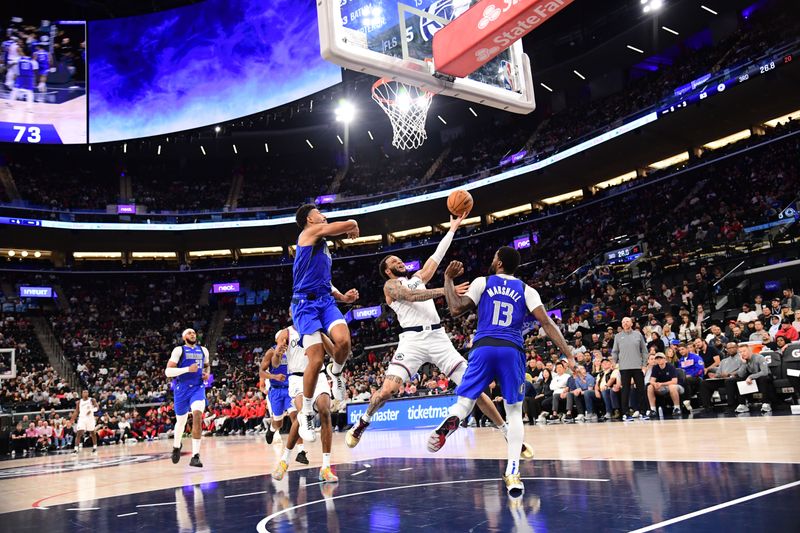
x=484, y=54
x=490, y=14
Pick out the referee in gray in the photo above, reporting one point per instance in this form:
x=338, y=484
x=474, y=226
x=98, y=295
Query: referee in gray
x=630, y=351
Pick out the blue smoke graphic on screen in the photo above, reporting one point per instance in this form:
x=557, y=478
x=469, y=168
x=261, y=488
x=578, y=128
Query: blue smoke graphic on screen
x=202, y=64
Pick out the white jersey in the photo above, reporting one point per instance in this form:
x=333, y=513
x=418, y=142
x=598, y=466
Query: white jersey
x=296, y=360
x=86, y=409
x=412, y=314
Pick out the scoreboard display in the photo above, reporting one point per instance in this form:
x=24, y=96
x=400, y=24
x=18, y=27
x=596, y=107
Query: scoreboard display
x=44, y=90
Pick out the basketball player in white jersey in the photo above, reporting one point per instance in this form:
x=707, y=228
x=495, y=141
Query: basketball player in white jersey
x=85, y=410
x=296, y=363
x=422, y=338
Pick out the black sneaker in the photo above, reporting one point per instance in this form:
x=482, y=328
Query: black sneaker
x=302, y=458
x=439, y=435
x=651, y=414
x=568, y=418
x=196, y=461
x=270, y=435
x=176, y=454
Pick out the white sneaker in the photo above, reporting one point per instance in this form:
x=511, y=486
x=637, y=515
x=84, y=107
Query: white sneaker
x=742, y=408
x=636, y=414
x=766, y=408
x=542, y=419
x=581, y=418
x=688, y=405
x=338, y=386
x=306, y=421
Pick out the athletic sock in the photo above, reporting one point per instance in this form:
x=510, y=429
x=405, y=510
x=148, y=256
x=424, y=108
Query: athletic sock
x=366, y=418
x=300, y=448
x=287, y=453
x=326, y=460
x=180, y=425
x=504, y=429
x=308, y=405
x=195, y=446
x=337, y=368
x=516, y=432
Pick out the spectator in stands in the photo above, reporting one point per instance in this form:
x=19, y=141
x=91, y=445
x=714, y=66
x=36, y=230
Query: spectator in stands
x=692, y=364
x=544, y=395
x=754, y=369
x=19, y=440
x=715, y=379
x=581, y=387
x=758, y=332
x=663, y=382
x=608, y=386
x=709, y=354
x=787, y=330
x=775, y=325
x=560, y=391
x=687, y=331
x=790, y=299
x=630, y=353
x=746, y=315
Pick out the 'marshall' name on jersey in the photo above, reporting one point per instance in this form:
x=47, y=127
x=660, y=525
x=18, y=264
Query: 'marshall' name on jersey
x=504, y=291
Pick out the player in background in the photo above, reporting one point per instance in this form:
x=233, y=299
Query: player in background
x=42, y=58
x=314, y=311
x=85, y=410
x=298, y=366
x=26, y=78
x=273, y=371
x=422, y=338
x=11, y=55
x=497, y=353
x=189, y=365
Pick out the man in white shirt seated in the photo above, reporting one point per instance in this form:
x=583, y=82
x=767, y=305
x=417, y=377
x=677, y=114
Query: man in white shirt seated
x=746, y=315
x=560, y=390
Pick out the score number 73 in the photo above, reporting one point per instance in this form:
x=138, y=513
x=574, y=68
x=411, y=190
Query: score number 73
x=34, y=134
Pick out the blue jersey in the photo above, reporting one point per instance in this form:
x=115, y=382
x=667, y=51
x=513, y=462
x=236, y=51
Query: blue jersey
x=280, y=369
x=312, y=269
x=191, y=355
x=502, y=310
x=6, y=47
x=27, y=73
x=43, y=58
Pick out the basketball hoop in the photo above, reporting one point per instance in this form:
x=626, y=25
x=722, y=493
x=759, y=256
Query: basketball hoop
x=407, y=107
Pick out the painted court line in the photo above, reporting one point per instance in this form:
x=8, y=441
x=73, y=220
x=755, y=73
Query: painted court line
x=312, y=484
x=262, y=525
x=246, y=494
x=358, y=473
x=84, y=509
x=715, y=508
x=126, y=514
x=405, y=469
x=156, y=504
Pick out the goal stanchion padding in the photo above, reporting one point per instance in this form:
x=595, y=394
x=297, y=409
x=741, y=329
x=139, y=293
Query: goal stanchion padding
x=486, y=29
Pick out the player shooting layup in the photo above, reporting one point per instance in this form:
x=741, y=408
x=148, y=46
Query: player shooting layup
x=422, y=339
x=497, y=353
x=85, y=410
x=190, y=366
x=314, y=309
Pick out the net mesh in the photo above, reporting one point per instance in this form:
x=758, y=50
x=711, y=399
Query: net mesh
x=407, y=107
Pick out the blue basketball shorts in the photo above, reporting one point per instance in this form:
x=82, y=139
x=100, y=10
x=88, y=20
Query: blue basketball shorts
x=279, y=401
x=186, y=395
x=311, y=316
x=505, y=365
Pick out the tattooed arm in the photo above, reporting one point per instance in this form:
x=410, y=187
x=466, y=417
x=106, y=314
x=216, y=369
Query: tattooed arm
x=395, y=291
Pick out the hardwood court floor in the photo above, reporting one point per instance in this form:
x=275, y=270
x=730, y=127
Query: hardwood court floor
x=69, y=118
x=712, y=461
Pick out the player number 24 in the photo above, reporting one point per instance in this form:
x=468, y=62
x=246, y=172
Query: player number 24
x=506, y=310
x=34, y=134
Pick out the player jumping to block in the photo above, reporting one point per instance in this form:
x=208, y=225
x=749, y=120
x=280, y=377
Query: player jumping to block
x=314, y=311
x=298, y=366
x=190, y=366
x=497, y=353
x=422, y=338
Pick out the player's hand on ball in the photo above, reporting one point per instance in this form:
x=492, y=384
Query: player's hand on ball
x=351, y=296
x=462, y=288
x=193, y=368
x=455, y=221
x=454, y=269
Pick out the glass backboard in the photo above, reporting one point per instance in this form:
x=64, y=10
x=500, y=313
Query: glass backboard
x=394, y=39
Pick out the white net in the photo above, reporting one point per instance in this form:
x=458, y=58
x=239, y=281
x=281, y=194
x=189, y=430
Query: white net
x=407, y=107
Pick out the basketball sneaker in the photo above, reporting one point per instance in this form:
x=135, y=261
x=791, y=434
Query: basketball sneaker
x=338, y=386
x=306, y=421
x=270, y=435
x=527, y=451
x=514, y=485
x=326, y=475
x=280, y=471
x=302, y=458
x=439, y=435
x=196, y=461
x=353, y=436
x=176, y=454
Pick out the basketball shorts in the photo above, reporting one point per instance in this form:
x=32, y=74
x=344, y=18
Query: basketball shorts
x=311, y=316
x=416, y=349
x=186, y=395
x=502, y=364
x=279, y=401
x=296, y=387
x=85, y=423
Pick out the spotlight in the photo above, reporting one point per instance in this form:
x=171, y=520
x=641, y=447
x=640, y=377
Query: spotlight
x=37, y=254
x=345, y=112
x=652, y=5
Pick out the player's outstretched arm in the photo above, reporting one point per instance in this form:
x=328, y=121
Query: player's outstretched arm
x=349, y=297
x=396, y=291
x=314, y=232
x=433, y=262
x=456, y=300
x=553, y=332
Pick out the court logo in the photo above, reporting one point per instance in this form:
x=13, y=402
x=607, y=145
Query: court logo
x=484, y=54
x=490, y=14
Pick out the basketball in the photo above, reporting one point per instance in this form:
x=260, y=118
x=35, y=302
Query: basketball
x=459, y=202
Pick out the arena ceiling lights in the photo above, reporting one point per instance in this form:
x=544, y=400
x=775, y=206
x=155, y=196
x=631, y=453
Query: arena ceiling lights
x=572, y=195
x=411, y=232
x=262, y=250
x=670, y=161
x=367, y=239
x=471, y=221
x=651, y=6
x=24, y=254
x=613, y=182
x=795, y=115
x=210, y=253
x=724, y=141
x=154, y=255
x=526, y=208
x=97, y=255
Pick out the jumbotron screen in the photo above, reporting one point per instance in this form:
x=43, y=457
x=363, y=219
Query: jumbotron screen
x=43, y=74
